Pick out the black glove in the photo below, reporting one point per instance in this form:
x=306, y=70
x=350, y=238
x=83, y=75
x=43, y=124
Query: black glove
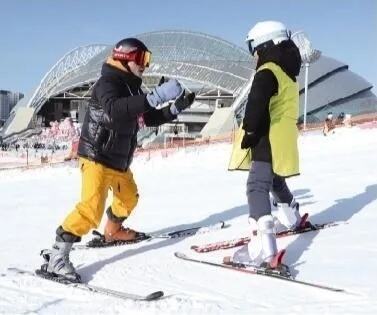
x=162, y=80
x=182, y=102
x=249, y=140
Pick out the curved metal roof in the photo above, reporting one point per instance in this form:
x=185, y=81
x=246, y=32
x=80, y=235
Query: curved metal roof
x=196, y=57
x=70, y=67
x=322, y=67
x=360, y=103
x=330, y=84
x=340, y=85
x=201, y=60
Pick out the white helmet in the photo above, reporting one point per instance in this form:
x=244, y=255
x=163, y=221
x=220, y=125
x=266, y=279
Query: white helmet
x=264, y=32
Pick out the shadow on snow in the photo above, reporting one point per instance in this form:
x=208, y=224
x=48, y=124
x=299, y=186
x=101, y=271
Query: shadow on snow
x=88, y=271
x=342, y=210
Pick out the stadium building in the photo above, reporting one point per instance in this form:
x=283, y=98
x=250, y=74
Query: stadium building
x=8, y=100
x=219, y=72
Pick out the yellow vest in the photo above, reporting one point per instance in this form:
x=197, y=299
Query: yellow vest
x=240, y=159
x=283, y=134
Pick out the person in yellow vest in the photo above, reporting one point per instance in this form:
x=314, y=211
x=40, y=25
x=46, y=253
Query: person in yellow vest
x=271, y=133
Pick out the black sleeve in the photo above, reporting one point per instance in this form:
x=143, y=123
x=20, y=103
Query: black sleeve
x=119, y=109
x=263, y=88
x=156, y=117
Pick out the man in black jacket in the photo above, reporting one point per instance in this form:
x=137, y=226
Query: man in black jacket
x=117, y=109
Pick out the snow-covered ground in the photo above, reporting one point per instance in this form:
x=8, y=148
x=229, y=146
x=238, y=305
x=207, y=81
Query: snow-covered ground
x=338, y=182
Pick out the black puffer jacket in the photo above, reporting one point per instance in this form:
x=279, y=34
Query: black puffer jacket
x=109, y=131
x=265, y=85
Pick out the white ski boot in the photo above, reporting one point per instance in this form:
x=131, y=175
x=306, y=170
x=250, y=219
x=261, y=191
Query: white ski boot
x=58, y=264
x=261, y=249
x=289, y=216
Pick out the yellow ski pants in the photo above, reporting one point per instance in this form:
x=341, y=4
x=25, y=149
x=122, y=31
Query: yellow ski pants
x=97, y=179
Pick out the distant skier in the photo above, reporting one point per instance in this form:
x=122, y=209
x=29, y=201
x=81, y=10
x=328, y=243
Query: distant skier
x=117, y=109
x=329, y=126
x=271, y=133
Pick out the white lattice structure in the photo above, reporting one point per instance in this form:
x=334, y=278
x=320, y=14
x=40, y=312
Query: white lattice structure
x=199, y=58
x=207, y=64
x=66, y=68
x=201, y=61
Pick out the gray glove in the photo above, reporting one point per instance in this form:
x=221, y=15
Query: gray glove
x=165, y=92
x=182, y=102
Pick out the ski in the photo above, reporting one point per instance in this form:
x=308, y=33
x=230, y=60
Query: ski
x=191, y=231
x=257, y=271
x=205, y=248
x=98, y=241
x=88, y=287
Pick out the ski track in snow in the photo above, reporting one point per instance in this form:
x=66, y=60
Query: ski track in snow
x=338, y=182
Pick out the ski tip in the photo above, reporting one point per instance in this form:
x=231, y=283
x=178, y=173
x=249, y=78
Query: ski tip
x=179, y=255
x=154, y=296
x=96, y=233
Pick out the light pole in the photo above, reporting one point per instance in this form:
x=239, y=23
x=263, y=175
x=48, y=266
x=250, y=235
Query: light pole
x=308, y=56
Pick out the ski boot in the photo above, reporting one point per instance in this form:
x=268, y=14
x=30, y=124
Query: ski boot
x=57, y=265
x=289, y=216
x=115, y=235
x=262, y=248
x=275, y=266
x=114, y=231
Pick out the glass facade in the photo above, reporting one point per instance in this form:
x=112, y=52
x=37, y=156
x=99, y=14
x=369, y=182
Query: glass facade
x=8, y=100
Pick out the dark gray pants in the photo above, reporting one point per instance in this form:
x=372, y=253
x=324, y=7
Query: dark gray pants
x=260, y=183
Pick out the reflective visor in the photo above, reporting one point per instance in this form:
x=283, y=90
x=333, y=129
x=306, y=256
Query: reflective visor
x=140, y=57
x=251, y=48
x=143, y=58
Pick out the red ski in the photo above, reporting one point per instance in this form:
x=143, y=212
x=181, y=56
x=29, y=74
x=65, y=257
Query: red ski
x=244, y=240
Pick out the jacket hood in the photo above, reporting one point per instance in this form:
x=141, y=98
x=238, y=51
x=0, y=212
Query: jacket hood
x=286, y=55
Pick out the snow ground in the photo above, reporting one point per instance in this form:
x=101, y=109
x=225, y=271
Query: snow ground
x=189, y=188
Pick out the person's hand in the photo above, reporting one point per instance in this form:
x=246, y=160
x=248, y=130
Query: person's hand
x=249, y=140
x=182, y=102
x=167, y=91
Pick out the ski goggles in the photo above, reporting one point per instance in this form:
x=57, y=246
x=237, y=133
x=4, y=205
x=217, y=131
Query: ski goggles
x=140, y=57
x=251, y=47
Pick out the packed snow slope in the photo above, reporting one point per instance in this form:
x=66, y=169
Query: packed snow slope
x=188, y=188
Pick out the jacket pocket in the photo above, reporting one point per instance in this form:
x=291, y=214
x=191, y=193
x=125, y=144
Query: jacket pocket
x=101, y=137
x=109, y=143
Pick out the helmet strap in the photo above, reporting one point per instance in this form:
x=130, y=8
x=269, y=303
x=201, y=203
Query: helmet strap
x=125, y=65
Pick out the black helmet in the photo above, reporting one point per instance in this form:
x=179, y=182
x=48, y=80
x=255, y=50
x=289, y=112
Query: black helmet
x=132, y=49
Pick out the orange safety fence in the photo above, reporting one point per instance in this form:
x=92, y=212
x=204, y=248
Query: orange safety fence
x=176, y=143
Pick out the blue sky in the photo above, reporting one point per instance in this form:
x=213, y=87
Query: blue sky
x=36, y=33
